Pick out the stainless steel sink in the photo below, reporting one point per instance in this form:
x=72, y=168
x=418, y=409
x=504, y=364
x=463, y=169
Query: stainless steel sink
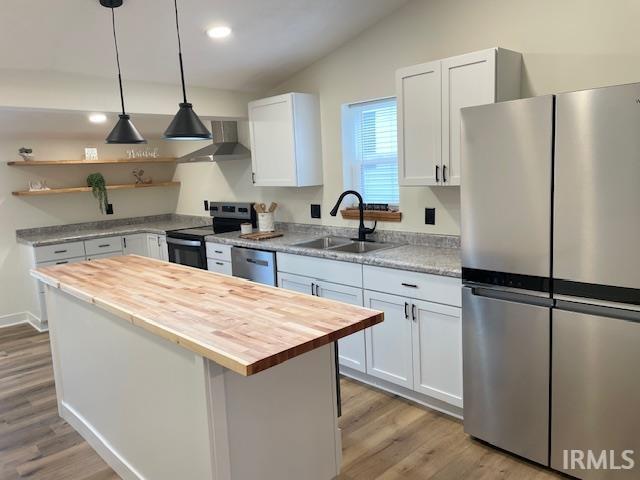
x=325, y=243
x=363, y=247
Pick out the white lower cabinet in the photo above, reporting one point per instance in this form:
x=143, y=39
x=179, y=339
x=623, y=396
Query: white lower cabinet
x=146, y=245
x=351, y=349
x=219, y=267
x=136, y=244
x=437, y=351
x=418, y=346
x=389, y=346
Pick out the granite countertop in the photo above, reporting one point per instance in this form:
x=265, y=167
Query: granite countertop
x=158, y=224
x=434, y=254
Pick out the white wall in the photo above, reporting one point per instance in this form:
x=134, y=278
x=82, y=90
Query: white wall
x=42, y=90
x=567, y=45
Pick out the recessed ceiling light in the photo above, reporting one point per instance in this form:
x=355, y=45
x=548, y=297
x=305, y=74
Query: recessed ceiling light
x=97, y=118
x=219, y=32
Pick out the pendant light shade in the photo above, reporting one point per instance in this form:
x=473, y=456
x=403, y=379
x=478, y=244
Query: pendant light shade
x=185, y=125
x=124, y=131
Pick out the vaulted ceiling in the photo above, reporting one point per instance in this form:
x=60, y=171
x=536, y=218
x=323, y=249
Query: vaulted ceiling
x=271, y=39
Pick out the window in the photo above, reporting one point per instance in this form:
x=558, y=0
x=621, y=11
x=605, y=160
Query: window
x=370, y=150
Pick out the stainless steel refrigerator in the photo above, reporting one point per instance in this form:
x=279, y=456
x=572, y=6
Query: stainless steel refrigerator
x=551, y=302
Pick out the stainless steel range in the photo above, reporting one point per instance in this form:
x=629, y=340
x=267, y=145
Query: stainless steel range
x=551, y=303
x=188, y=246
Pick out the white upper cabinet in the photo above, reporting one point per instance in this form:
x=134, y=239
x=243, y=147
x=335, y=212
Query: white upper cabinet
x=467, y=80
x=419, y=123
x=285, y=141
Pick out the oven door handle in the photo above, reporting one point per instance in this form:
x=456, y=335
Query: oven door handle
x=184, y=243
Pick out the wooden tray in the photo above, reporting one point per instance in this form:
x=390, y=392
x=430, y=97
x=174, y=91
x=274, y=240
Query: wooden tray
x=261, y=235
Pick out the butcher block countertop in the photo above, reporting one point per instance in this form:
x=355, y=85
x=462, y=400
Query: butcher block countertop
x=243, y=326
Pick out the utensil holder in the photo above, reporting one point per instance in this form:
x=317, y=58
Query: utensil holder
x=265, y=222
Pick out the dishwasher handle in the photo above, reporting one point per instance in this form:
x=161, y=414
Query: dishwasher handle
x=262, y=263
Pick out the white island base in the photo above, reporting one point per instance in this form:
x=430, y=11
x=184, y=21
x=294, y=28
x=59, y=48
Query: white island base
x=155, y=410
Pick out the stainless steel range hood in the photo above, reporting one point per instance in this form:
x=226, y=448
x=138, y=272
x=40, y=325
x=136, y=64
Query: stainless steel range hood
x=225, y=145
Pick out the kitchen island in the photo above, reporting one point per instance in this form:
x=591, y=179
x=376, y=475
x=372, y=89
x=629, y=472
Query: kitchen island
x=171, y=372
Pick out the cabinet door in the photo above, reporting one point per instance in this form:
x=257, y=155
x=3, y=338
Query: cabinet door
x=135, y=244
x=418, y=90
x=388, y=344
x=272, y=141
x=437, y=351
x=153, y=246
x=351, y=349
x=163, y=250
x=467, y=80
x=297, y=283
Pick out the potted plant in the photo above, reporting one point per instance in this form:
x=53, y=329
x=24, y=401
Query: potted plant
x=99, y=189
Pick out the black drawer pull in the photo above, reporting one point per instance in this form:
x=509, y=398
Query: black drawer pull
x=62, y=262
x=60, y=251
x=104, y=245
x=220, y=263
x=411, y=285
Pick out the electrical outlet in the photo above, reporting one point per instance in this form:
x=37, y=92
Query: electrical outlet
x=109, y=209
x=206, y=205
x=429, y=216
x=315, y=210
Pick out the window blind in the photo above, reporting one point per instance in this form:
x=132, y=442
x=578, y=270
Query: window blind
x=377, y=151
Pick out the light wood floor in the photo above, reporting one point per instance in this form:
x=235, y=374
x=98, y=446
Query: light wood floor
x=384, y=437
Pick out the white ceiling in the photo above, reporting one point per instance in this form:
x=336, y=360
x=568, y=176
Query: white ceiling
x=271, y=39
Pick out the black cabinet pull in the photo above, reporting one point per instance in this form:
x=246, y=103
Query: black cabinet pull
x=104, y=245
x=444, y=174
x=413, y=311
x=406, y=310
x=313, y=285
x=218, y=251
x=410, y=285
x=437, y=173
x=219, y=263
x=60, y=251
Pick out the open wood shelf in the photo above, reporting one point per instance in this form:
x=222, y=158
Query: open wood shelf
x=40, y=163
x=127, y=186
x=378, y=215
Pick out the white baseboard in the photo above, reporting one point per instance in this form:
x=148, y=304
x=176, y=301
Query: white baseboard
x=419, y=398
x=21, y=318
x=99, y=444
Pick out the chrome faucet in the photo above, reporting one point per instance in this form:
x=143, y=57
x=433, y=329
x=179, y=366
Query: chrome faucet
x=362, y=230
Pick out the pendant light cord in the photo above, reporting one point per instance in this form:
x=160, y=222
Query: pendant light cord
x=184, y=90
x=115, y=41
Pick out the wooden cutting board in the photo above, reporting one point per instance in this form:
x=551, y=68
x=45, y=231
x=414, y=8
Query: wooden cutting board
x=261, y=235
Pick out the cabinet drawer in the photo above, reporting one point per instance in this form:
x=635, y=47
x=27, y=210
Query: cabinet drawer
x=343, y=273
x=218, y=266
x=422, y=286
x=98, y=246
x=218, y=251
x=60, y=251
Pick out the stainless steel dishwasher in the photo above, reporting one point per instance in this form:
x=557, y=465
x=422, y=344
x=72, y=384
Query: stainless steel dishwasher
x=255, y=265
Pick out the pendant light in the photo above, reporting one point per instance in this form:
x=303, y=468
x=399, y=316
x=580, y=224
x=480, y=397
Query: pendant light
x=185, y=125
x=124, y=131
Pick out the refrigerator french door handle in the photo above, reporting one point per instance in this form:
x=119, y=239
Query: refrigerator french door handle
x=509, y=296
x=599, y=310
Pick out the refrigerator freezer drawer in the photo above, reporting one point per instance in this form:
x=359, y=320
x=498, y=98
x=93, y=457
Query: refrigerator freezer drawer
x=506, y=186
x=596, y=391
x=506, y=352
